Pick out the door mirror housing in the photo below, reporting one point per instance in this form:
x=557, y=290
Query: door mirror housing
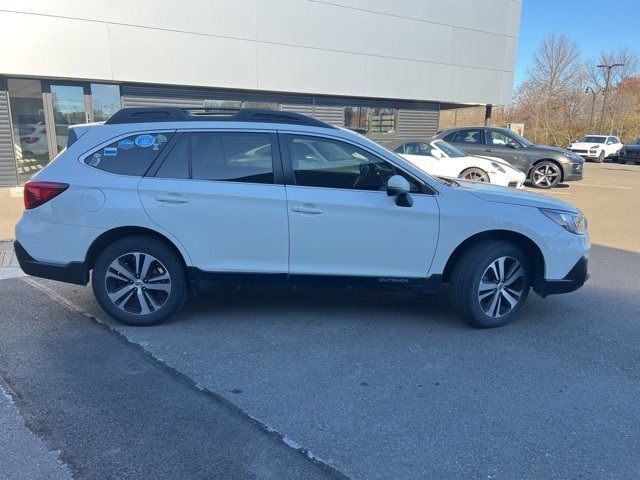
x=609, y=143
x=437, y=154
x=513, y=145
x=399, y=187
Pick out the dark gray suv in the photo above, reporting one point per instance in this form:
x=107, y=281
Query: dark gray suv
x=545, y=166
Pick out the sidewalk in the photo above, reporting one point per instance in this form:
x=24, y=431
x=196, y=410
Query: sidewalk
x=9, y=267
x=11, y=206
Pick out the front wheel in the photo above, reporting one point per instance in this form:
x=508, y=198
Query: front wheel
x=545, y=174
x=475, y=174
x=139, y=281
x=490, y=283
x=600, y=157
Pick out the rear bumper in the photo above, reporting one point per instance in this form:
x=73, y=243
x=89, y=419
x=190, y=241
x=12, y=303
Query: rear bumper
x=575, y=279
x=73, y=272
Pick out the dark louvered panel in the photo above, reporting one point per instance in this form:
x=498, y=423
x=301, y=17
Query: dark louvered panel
x=332, y=115
x=418, y=123
x=8, y=176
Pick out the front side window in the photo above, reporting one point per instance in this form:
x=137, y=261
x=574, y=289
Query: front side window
x=497, y=138
x=327, y=163
x=232, y=157
x=132, y=155
x=415, y=148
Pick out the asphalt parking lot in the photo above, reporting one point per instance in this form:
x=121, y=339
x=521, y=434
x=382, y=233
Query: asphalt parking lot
x=323, y=384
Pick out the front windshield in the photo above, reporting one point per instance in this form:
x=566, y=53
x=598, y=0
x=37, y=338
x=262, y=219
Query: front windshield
x=593, y=139
x=449, y=150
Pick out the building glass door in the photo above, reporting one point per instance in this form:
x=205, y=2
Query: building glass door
x=69, y=108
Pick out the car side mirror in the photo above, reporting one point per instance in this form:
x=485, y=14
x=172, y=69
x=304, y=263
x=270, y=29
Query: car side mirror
x=399, y=187
x=513, y=145
x=437, y=154
x=609, y=143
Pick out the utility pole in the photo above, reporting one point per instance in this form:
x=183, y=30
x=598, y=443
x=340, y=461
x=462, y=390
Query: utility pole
x=606, y=88
x=487, y=115
x=593, y=105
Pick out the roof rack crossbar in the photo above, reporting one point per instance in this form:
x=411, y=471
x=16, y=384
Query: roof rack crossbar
x=176, y=114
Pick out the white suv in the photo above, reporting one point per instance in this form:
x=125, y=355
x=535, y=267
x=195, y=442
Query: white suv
x=160, y=202
x=596, y=147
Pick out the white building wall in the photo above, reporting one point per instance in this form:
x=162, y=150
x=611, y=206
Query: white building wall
x=460, y=51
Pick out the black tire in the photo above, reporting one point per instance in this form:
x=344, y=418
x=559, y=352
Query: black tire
x=164, y=270
x=600, y=157
x=470, y=270
x=621, y=160
x=475, y=174
x=545, y=174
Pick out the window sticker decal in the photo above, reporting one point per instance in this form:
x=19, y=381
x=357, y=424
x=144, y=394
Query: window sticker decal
x=145, y=141
x=110, y=152
x=95, y=160
x=160, y=138
x=125, y=144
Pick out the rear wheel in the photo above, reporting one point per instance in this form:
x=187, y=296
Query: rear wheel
x=545, y=174
x=475, y=174
x=139, y=281
x=490, y=283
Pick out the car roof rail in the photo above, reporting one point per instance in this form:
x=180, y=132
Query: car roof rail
x=178, y=114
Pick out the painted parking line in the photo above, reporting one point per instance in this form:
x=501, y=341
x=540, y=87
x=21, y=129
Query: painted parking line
x=602, y=186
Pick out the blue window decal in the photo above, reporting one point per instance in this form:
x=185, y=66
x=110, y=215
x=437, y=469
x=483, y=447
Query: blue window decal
x=110, y=152
x=125, y=144
x=145, y=141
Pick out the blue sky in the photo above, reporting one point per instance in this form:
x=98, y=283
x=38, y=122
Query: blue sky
x=594, y=24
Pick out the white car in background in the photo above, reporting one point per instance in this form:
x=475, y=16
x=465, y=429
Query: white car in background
x=442, y=159
x=596, y=147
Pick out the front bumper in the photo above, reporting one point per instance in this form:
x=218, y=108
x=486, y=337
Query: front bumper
x=572, y=171
x=576, y=277
x=73, y=272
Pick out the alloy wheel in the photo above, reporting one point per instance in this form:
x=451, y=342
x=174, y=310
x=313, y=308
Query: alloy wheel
x=138, y=283
x=475, y=175
x=501, y=287
x=545, y=175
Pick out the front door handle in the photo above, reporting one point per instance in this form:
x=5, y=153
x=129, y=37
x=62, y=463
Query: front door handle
x=172, y=199
x=308, y=209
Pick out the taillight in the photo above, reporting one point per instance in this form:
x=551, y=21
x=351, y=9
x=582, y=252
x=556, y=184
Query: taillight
x=36, y=193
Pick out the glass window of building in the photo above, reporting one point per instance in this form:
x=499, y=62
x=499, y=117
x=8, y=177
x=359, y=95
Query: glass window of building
x=382, y=120
x=68, y=109
x=261, y=105
x=29, y=130
x=105, y=101
x=356, y=119
x=222, y=104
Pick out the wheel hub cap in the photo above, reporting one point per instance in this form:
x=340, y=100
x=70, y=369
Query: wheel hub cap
x=501, y=287
x=138, y=283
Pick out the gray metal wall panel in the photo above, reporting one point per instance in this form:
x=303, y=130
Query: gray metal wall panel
x=8, y=174
x=332, y=115
x=304, y=109
x=418, y=123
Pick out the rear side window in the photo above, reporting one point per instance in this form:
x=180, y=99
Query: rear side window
x=232, y=157
x=471, y=137
x=132, y=155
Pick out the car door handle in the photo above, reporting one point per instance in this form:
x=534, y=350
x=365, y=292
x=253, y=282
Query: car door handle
x=172, y=199
x=308, y=209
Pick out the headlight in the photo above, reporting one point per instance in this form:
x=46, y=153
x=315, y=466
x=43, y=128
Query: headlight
x=574, y=222
x=498, y=167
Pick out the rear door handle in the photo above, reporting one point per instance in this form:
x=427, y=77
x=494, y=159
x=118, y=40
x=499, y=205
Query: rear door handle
x=172, y=199
x=308, y=210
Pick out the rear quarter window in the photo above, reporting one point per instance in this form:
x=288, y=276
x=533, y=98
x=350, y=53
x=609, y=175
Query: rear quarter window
x=132, y=155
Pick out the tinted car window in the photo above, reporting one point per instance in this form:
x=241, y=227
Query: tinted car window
x=176, y=163
x=327, y=163
x=471, y=137
x=232, y=157
x=415, y=148
x=132, y=155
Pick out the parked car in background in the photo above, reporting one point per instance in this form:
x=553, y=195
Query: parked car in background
x=439, y=158
x=33, y=139
x=596, y=147
x=545, y=166
x=159, y=202
x=630, y=152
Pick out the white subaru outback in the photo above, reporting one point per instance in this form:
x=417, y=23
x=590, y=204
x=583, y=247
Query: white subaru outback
x=159, y=202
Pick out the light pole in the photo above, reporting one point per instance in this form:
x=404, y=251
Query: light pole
x=606, y=88
x=593, y=105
